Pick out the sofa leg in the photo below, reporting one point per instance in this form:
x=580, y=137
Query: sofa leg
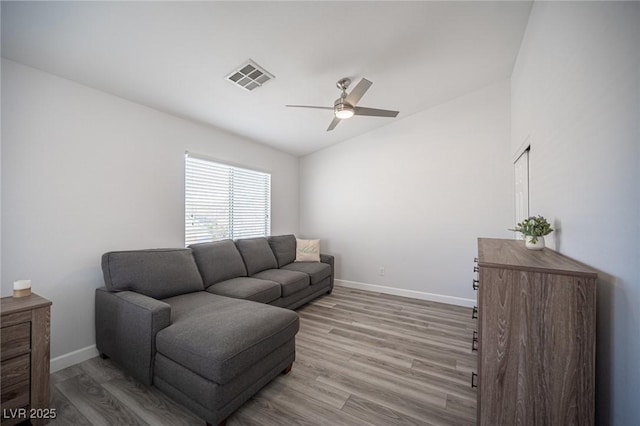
x=288, y=369
x=104, y=356
x=222, y=423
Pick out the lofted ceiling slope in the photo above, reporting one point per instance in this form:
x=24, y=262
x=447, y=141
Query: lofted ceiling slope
x=174, y=56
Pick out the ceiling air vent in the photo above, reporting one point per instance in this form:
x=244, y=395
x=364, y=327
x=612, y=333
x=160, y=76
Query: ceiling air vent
x=250, y=76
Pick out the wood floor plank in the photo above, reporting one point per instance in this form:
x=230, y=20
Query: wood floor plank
x=101, y=371
x=313, y=343
x=373, y=379
x=149, y=403
x=403, y=302
x=405, y=316
x=453, y=374
x=425, y=322
x=362, y=358
x=67, y=373
x=66, y=412
x=402, y=404
x=462, y=407
x=338, y=343
x=377, y=329
x=391, y=326
x=427, y=351
x=419, y=379
x=260, y=410
x=320, y=392
x=313, y=412
x=96, y=404
x=377, y=414
x=426, y=305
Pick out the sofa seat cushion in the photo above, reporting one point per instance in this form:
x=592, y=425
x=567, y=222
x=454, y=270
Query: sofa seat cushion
x=317, y=271
x=247, y=288
x=219, y=337
x=291, y=281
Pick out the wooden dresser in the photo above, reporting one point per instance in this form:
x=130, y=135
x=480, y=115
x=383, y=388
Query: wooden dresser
x=25, y=359
x=536, y=336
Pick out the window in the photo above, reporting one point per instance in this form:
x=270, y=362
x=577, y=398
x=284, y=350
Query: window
x=223, y=201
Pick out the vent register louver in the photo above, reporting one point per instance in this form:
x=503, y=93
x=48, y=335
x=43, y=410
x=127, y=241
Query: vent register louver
x=250, y=76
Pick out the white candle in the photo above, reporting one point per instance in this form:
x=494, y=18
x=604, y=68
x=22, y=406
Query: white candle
x=21, y=284
x=21, y=288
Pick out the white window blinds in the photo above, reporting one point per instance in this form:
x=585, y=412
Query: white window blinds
x=223, y=201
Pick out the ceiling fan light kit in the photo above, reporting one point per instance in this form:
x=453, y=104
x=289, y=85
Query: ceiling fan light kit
x=342, y=110
x=345, y=106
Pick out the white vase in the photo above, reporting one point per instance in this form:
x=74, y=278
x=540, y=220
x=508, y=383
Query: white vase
x=538, y=245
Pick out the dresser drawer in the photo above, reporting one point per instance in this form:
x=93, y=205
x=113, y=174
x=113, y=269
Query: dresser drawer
x=15, y=381
x=15, y=370
x=16, y=340
x=15, y=318
x=16, y=395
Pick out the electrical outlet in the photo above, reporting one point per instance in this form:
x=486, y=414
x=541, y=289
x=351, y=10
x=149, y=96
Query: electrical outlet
x=381, y=271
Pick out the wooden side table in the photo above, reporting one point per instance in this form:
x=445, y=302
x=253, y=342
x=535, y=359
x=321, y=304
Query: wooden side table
x=24, y=358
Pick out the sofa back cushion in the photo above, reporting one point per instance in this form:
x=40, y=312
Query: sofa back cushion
x=284, y=248
x=257, y=254
x=218, y=261
x=157, y=273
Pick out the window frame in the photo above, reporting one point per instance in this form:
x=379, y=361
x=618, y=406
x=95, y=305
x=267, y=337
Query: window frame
x=236, y=188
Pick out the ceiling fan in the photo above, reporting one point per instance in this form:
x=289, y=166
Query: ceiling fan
x=346, y=105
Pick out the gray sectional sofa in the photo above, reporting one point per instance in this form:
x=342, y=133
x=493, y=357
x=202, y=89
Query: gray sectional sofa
x=206, y=324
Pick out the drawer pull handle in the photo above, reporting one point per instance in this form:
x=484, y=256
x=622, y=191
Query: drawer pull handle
x=476, y=269
x=476, y=284
x=474, y=341
x=475, y=260
x=474, y=314
x=473, y=380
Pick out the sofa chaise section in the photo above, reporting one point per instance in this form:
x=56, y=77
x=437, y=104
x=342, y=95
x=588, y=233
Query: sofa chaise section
x=209, y=352
x=242, y=347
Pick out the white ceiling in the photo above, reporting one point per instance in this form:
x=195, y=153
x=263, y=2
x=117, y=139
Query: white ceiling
x=173, y=56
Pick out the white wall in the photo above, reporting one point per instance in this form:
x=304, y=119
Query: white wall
x=576, y=96
x=413, y=197
x=84, y=172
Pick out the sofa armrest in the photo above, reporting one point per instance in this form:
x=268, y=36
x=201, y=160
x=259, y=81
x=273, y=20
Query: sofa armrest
x=126, y=328
x=329, y=259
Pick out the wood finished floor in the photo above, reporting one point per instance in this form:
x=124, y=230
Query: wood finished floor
x=362, y=358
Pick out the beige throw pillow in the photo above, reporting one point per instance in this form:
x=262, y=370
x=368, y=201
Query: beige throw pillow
x=307, y=250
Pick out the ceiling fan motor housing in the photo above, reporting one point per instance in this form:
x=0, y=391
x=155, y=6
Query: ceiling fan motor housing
x=341, y=109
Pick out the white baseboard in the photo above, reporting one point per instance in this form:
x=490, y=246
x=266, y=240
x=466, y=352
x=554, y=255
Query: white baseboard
x=67, y=360
x=452, y=300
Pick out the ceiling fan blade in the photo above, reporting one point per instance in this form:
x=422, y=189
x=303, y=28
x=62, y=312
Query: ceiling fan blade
x=309, y=106
x=333, y=124
x=375, y=112
x=358, y=92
